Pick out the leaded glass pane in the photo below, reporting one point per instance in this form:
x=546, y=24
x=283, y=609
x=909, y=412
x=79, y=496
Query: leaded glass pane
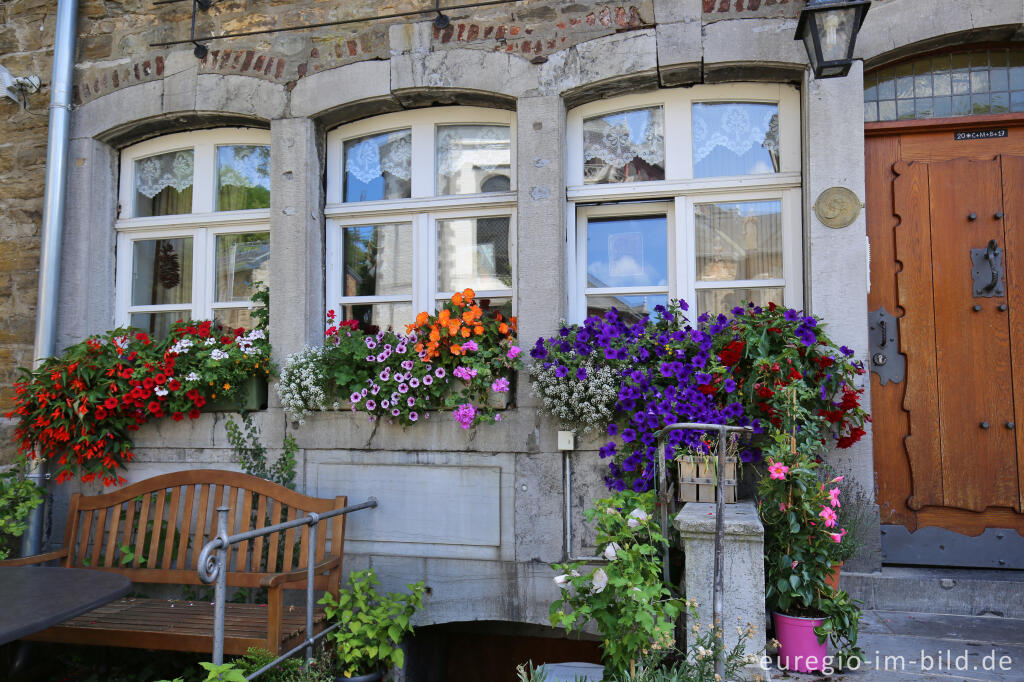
x=163, y=184
x=979, y=82
x=378, y=167
x=162, y=271
x=628, y=146
x=243, y=177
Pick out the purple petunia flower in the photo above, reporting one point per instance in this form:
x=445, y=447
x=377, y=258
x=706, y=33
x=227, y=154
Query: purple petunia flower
x=414, y=382
x=427, y=380
x=561, y=371
x=413, y=416
x=403, y=388
x=355, y=397
x=410, y=401
x=581, y=374
x=439, y=372
x=385, y=404
x=371, y=405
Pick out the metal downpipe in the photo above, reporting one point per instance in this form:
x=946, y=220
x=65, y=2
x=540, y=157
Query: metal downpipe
x=58, y=134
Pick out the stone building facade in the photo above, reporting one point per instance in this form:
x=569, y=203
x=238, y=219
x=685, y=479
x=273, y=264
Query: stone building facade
x=477, y=515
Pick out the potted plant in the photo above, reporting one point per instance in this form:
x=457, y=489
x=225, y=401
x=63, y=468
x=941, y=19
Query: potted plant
x=373, y=626
x=801, y=531
x=855, y=515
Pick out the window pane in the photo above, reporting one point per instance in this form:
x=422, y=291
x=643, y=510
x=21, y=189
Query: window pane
x=379, y=167
x=630, y=308
x=735, y=138
x=163, y=184
x=627, y=252
x=473, y=252
x=158, y=324
x=491, y=305
x=378, y=260
x=628, y=146
x=242, y=260
x=243, y=177
x=739, y=240
x=724, y=300
x=233, y=318
x=162, y=271
x=382, y=315
x=473, y=158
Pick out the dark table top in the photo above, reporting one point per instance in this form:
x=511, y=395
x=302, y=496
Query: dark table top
x=35, y=597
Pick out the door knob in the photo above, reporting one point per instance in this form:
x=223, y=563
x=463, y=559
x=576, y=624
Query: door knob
x=1003, y=307
x=983, y=425
x=972, y=216
x=1010, y=425
x=998, y=215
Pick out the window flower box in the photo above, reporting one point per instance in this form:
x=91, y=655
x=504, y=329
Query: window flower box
x=250, y=397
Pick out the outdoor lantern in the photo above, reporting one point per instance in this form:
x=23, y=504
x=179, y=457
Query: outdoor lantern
x=829, y=31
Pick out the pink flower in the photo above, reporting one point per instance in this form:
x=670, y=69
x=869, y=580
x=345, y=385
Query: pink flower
x=829, y=515
x=834, y=497
x=778, y=470
x=794, y=565
x=470, y=345
x=500, y=385
x=837, y=479
x=514, y=352
x=464, y=414
x=464, y=373
x=838, y=537
x=783, y=506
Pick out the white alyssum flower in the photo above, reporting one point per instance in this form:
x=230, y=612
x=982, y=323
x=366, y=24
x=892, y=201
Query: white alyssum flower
x=636, y=517
x=611, y=552
x=586, y=404
x=303, y=385
x=600, y=580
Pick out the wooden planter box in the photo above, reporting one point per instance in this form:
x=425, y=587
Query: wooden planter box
x=251, y=397
x=696, y=478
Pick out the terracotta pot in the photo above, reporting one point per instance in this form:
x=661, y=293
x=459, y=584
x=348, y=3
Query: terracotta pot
x=833, y=578
x=799, y=650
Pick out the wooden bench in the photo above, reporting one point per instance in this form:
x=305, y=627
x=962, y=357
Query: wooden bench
x=153, y=531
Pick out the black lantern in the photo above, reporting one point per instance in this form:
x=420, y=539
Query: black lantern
x=829, y=30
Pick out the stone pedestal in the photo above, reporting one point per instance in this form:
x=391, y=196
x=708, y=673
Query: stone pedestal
x=743, y=563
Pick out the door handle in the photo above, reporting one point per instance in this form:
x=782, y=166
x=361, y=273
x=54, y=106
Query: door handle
x=987, y=271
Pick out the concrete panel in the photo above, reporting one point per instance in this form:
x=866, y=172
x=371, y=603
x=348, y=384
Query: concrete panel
x=85, y=304
x=418, y=504
x=329, y=89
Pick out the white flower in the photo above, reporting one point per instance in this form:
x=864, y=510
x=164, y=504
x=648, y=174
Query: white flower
x=636, y=517
x=562, y=581
x=612, y=551
x=159, y=390
x=210, y=341
x=600, y=580
x=218, y=354
x=192, y=376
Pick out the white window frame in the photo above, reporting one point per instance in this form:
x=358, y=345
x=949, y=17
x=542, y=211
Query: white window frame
x=203, y=225
x=422, y=210
x=679, y=192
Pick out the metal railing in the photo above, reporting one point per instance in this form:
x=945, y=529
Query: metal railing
x=718, y=594
x=213, y=558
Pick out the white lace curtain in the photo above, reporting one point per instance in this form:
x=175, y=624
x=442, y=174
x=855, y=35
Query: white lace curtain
x=370, y=157
x=486, y=148
x=737, y=127
x=611, y=140
x=155, y=173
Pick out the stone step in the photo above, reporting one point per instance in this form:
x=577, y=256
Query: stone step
x=953, y=591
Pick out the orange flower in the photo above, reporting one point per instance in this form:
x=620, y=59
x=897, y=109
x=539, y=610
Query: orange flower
x=469, y=294
x=422, y=319
x=453, y=327
x=515, y=324
x=467, y=317
x=465, y=332
x=435, y=333
x=498, y=317
x=503, y=328
x=457, y=299
x=478, y=330
x=456, y=349
x=444, y=317
x=409, y=328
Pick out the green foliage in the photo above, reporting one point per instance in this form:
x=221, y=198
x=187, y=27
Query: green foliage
x=252, y=454
x=633, y=609
x=261, y=311
x=318, y=669
x=373, y=625
x=18, y=497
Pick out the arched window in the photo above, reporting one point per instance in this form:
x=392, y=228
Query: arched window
x=193, y=227
x=420, y=204
x=966, y=83
x=688, y=193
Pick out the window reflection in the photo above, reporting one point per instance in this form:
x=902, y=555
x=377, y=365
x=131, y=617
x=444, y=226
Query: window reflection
x=628, y=146
x=243, y=177
x=627, y=252
x=473, y=159
x=739, y=240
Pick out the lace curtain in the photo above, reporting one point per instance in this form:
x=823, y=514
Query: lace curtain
x=368, y=158
x=613, y=143
x=156, y=173
x=736, y=127
x=484, y=148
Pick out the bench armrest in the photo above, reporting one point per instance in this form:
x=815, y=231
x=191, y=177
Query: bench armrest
x=300, y=575
x=35, y=559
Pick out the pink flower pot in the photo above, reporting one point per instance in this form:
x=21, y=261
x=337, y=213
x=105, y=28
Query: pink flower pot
x=799, y=649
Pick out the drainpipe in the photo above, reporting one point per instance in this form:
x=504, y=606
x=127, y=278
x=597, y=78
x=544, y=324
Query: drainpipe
x=53, y=226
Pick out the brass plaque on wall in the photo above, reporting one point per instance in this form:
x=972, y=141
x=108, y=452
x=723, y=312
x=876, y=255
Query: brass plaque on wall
x=837, y=207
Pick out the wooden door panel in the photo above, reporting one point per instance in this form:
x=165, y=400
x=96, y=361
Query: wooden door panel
x=940, y=146
x=972, y=347
x=1013, y=226
x=917, y=334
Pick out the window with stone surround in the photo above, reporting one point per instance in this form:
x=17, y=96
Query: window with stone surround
x=420, y=204
x=685, y=193
x=193, y=231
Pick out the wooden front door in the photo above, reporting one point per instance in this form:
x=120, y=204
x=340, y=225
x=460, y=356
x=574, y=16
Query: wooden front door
x=949, y=454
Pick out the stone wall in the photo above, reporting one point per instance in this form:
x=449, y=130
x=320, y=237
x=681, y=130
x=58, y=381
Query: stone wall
x=26, y=33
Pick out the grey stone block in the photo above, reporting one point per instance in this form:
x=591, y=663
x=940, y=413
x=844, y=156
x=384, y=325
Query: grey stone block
x=321, y=92
x=241, y=95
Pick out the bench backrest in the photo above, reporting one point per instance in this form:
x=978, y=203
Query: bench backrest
x=152, y=531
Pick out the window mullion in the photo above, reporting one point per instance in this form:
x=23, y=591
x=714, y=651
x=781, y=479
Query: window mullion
x=202, y=269
x=333, y=265
x=422, y=159
x=123, y=279
x=203, y=170
x=685, y=251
